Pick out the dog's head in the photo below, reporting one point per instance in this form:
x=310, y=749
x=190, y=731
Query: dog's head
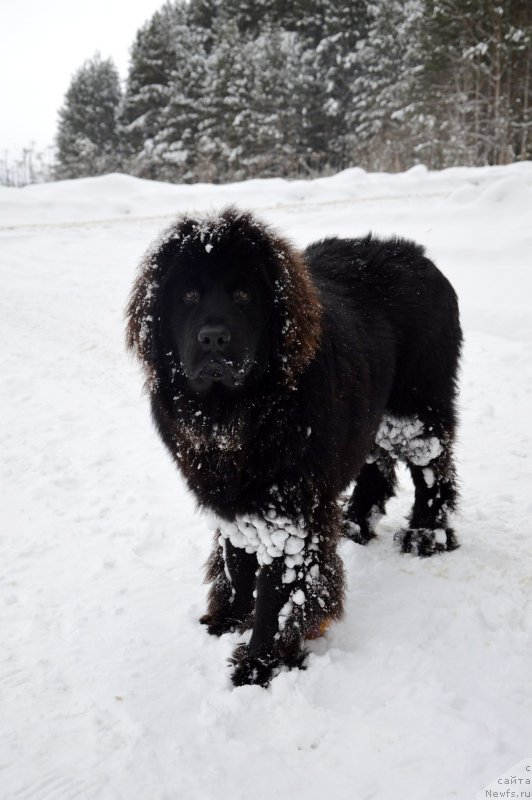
x=222, y=303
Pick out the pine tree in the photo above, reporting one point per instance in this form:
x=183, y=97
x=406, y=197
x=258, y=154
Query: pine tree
x=307, y=18
x=153, y=61
x=344, y=34
x=273, y=125
x=205, y=14
x=477, y=79
x=249, y=16
x=87, y=138
x=262, y=99
x=176, y=144
x=385, y=89
x=519, y=37
x=225, y=95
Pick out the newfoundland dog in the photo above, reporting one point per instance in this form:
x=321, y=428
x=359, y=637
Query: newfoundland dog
x=276, y=379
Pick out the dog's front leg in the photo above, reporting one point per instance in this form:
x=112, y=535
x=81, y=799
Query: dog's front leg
x=299, y=588
x=267, y=649
x=231, y=573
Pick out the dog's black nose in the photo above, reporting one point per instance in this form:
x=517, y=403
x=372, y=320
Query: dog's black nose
x=213, y=338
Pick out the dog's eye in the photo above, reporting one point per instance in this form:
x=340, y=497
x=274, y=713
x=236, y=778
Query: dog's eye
x=241, y=296
x=191, y=296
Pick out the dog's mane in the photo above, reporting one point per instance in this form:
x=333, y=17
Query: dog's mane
x=296, y=300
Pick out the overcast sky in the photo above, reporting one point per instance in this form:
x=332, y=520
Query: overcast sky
x=42, y=43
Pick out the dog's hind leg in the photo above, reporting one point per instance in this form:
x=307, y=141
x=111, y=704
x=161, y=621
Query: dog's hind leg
x=231, y=573
x=374, y=486
x=436, y=496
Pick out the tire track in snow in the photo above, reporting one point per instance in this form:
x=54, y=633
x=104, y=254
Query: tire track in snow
x=61, y=787
x=18, y=677
x=296, y=207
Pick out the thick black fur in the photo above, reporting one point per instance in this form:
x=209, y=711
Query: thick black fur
x=275, y=410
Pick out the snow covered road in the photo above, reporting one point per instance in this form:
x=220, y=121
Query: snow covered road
x=109, y=689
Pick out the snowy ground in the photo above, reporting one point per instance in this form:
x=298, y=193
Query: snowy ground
x=110, y=690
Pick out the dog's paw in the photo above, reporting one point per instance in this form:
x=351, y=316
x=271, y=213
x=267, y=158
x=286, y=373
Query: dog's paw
x=217, y=626
x=252, y=670
x=425, y=542
x=360, y=533
x=259, y=670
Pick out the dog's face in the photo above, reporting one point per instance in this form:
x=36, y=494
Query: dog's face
x=217, y=312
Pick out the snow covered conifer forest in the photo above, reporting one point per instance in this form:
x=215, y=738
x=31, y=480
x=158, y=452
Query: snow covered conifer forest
x=223, y=90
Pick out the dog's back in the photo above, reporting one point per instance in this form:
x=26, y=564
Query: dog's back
x=404, y=305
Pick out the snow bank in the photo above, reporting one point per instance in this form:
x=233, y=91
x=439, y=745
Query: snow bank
x=111, y=197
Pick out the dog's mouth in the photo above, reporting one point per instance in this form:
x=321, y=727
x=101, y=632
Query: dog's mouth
x=216, y=371
x=221, y=371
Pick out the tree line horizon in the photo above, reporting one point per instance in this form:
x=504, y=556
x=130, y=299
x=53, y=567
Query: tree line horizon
x=225, y=91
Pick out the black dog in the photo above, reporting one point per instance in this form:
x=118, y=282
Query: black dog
x=276, y=379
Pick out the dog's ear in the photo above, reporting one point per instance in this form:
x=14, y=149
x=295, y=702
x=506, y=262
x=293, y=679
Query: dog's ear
x=143, y=309
x=299, y=311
